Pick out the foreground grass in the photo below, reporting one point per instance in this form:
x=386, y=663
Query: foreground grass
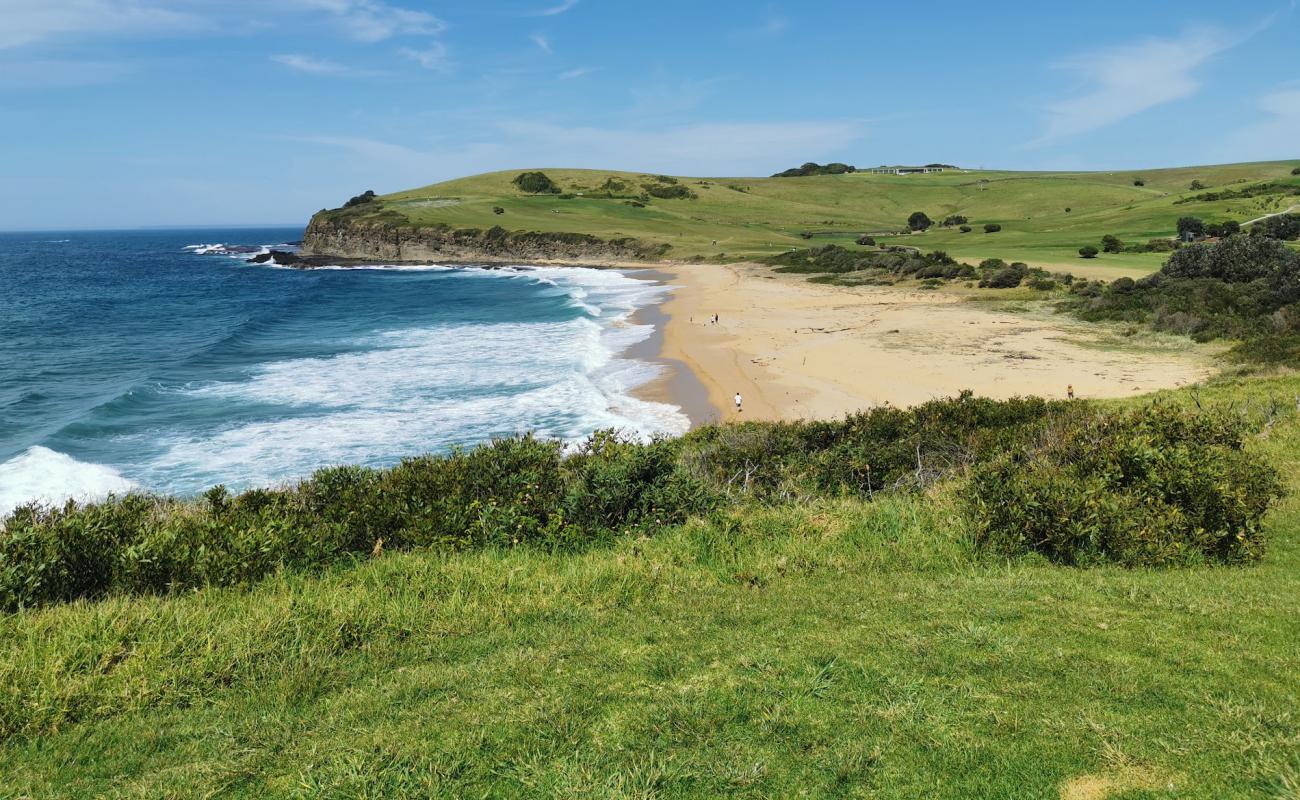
x=839, y=649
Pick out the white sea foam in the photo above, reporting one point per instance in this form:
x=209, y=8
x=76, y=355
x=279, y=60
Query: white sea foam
x=426, y=389
x=41, y=474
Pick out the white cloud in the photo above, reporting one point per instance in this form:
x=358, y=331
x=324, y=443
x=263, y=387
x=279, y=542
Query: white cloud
x=1128, y=79
x=313, y=65
x=541, y=41
x=375, y=21
x=578, y=72
x=434, y=57
x=564, y=6
x=1275, y=136
x=25, y=22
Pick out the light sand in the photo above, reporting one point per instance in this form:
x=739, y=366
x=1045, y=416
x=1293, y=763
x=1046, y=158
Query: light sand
x=796, y=349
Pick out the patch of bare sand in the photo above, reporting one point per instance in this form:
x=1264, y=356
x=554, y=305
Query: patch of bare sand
x=796, y=349
x=1100, y=787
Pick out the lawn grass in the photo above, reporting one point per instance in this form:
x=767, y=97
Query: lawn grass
x=839, y=649
x=743, y=218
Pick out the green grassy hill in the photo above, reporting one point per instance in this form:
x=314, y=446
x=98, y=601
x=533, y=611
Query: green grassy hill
x=737, y=218
x=839, y=648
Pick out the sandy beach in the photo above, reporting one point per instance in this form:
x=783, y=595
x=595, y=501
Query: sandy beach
x=800, y=350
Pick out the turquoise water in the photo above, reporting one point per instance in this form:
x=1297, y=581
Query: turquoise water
x=141, y=360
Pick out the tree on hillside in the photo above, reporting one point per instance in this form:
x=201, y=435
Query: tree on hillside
x=1196, y=185
x=535, y=183
x=367, y=196
x=1111, y=243
x=1296, y=171
x=1088, y=251
x=1189, y=227
x=1139, y=182
x=919, y=221
x=992, y=227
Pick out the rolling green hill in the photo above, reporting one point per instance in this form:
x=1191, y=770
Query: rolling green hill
x=1045, y=216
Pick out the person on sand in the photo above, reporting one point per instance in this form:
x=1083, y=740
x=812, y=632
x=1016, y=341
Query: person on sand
x=738, y=408
x=1069, y=391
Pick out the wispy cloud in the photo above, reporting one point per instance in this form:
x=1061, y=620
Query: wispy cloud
x=570, y=74
x=435, y=57
x=541, y=41
x=33, y=21
x=316, y=66
x=373, y=20
x=1277, y=134
x=552, y=11
x=1128, y=79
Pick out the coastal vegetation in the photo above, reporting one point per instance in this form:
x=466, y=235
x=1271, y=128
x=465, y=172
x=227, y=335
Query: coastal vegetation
x=841, y=619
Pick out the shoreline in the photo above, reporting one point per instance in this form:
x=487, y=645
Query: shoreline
x=797, y=350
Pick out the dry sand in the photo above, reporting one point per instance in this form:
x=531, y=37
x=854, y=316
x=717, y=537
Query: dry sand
x=795, y=349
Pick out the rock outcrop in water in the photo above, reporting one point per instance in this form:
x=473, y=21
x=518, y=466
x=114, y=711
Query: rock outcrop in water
x=357, y=238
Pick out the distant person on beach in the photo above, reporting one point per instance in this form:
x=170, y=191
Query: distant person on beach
x=1069, y=391
x=738, y=409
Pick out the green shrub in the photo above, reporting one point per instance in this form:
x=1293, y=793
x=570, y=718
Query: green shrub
x=1152, y=487
x=535, y=183
x=1296, y=171
x=1111, y=244
x=965, y=229
x=367, y=196
x=992, y=227
x=669, y=191
x=1088, y=251
x=866, y=241
x=919, y=221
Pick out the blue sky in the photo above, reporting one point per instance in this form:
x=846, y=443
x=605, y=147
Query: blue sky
x=120, y=113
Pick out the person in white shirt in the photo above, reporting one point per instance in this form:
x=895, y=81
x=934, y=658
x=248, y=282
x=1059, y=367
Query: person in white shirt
x=738, y=402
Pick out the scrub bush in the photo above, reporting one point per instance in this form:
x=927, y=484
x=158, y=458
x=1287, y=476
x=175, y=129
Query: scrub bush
x=1153, y=487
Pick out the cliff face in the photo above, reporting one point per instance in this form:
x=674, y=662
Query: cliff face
x=359, y=239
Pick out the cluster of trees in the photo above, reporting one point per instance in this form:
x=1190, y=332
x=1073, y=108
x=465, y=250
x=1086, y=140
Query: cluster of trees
x=953, y=220
x=919, y=221
x=535, y=183
x=368, y=196
x=813, y=168
x=1267, y=189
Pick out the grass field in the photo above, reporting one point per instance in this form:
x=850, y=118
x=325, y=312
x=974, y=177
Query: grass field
x=737, y=218
x=842, y=649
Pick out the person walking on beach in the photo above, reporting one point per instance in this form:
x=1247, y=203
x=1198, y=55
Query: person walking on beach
x=738, y=408
x=1069, y=391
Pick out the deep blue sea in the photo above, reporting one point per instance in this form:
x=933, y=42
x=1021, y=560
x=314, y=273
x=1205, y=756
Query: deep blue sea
x=150, y=360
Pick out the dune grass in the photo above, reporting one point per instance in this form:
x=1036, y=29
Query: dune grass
x=837, y=649
x=740, y=218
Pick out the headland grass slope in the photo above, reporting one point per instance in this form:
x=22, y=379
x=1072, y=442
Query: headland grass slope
x=1045, y=217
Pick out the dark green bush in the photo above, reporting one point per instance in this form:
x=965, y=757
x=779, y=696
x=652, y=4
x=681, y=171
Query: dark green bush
x=965, y=229
x=919, y=221
x=670, y=191
x=1088, y=251
x=1152, y=487
x=535, y=183
x=992, y=227
x=866, y=241
x=1111, y=244
x=367, y=196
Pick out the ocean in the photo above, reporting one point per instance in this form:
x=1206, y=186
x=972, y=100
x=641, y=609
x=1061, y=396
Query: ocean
x=161, y=361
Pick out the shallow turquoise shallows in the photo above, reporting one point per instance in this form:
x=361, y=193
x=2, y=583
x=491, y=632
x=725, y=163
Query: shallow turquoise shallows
x=146, y=360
